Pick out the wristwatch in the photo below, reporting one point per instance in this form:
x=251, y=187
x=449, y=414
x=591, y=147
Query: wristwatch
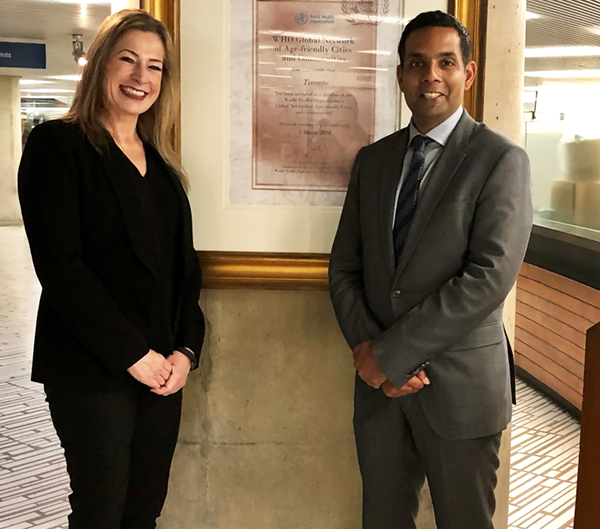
x=187, y=352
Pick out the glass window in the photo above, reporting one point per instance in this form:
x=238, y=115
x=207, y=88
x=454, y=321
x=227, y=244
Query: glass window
x=562, y=113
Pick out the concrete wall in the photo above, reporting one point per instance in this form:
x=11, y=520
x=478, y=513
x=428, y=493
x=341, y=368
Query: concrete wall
x=266, y=440
x=10, y=149
x=267, y=436
x=503, y=112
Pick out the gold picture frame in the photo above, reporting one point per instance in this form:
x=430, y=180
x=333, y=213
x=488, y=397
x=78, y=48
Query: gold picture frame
x=253, y=270
x=474, y=14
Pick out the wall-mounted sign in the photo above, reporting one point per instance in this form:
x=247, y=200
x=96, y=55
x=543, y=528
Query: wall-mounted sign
x=22, y=55
x=314, y=95
x=323, y=86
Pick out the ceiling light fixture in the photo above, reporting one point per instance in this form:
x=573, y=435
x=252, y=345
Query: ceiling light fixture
x=531, y=16
x=78, y=53
x=47, y=91
x=562, y=51
x=566, y=74
x=23, y=82
x=69, y=77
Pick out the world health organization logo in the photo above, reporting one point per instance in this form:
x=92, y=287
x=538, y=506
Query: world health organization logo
x=301, y=18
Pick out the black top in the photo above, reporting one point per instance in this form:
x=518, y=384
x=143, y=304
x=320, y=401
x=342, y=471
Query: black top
x=159, y=207
x=118, y=275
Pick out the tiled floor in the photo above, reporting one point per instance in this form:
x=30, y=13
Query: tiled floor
x=34, y=484
x=545, y=451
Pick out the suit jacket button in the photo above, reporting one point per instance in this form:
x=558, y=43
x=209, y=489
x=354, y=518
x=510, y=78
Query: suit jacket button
x=396, y=293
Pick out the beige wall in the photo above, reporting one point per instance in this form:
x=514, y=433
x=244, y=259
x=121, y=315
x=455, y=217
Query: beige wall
x=10, y=149
x=503, y=112
x=117, y=5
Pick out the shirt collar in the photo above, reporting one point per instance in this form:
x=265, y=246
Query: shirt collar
x=441, y=133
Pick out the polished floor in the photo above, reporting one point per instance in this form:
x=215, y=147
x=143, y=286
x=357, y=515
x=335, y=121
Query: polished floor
x=544, y=457
x=34, y=485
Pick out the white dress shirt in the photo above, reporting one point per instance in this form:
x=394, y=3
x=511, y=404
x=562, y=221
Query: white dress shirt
x=433, y=150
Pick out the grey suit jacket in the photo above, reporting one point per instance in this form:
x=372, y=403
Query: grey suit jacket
x=443, y=303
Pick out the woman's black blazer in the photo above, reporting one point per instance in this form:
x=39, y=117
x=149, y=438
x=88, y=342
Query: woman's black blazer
x=91, y=253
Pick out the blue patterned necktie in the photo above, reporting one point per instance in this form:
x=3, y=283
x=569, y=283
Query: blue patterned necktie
x=407, y=198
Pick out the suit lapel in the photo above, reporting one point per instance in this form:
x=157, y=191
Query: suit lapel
x=437, y=182
x=392, y=170
x=130, y=205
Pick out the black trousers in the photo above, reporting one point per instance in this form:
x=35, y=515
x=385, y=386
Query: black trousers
x=118, y=447
x=397, y=448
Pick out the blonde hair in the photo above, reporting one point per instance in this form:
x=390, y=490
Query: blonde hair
x=158, y=125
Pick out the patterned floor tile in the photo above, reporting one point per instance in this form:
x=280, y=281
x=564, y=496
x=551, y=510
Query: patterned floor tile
x=34, y=485
x=33, y=481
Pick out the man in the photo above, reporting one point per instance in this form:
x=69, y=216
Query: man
x=430, y=241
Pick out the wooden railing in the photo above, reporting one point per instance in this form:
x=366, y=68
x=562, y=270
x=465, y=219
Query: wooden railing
x=587, y=507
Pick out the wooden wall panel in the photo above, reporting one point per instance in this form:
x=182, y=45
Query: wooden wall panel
x=587, y=507
x=553, y=316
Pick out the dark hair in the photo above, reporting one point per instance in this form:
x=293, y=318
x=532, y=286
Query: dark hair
x=437, y=19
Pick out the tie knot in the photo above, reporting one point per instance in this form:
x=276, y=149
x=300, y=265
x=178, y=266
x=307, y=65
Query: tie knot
x=420, y=142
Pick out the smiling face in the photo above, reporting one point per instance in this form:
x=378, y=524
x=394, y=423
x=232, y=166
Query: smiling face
x=433, y=76
x=133, y=75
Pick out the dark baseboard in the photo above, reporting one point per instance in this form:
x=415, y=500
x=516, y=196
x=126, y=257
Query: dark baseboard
x=549, y=392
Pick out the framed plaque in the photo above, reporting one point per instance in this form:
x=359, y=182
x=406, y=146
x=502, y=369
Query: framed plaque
x=314, y=95
x=267, y=181
x=323, y=86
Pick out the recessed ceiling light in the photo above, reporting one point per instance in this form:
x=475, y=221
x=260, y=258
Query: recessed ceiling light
x=23, y=82
x=72, y=77
x=566, y=74
x=563, y=51
x=531, y=16
x=47, y=90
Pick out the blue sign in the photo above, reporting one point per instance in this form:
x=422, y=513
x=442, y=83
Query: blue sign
x=22, y=55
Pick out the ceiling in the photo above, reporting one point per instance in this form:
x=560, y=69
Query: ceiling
x=562, y=23
x=41, y=19
x=52, y=22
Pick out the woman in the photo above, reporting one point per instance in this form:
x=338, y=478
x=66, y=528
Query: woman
x=110, y=231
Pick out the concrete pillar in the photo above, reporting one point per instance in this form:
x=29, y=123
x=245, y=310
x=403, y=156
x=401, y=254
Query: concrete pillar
x=266, y=440
x=10, y=149
x=503, y=112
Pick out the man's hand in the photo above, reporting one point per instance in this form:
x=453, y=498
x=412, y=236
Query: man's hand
x=366, y=366
x=181, y=367
x=414, y=385
x=153, y=370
